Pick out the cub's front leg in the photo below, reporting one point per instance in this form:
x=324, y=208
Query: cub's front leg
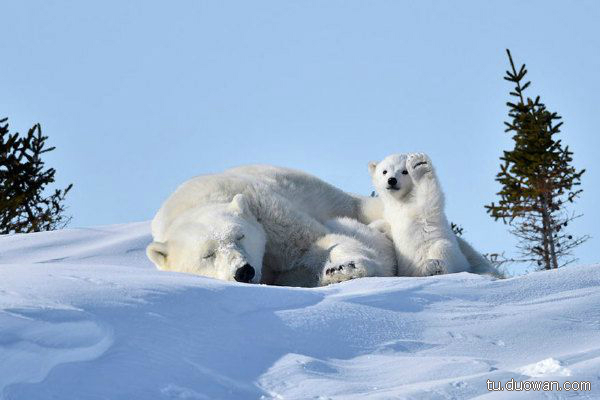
x=428, y=192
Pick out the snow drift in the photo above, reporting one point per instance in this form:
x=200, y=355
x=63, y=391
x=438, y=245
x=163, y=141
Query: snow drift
x=84, y=315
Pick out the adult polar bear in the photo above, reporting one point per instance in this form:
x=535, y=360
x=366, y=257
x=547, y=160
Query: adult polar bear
x=271, y=225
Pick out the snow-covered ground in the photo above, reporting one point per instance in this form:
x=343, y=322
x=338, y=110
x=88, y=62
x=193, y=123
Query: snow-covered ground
x=84, y=315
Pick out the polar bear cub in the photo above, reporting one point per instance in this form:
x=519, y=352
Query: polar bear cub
x=413, y=204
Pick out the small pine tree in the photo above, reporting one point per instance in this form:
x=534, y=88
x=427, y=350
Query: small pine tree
x=24, y=206
x=537, y=180
x=457, y=229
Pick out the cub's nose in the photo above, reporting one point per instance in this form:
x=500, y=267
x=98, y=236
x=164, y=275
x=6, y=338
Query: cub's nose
x=392, y=181
x=244, y=274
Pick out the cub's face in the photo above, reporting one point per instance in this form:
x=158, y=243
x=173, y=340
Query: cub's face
x=223, y=241
x=391, y=177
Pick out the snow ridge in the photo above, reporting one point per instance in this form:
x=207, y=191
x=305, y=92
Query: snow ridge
x=84, y=315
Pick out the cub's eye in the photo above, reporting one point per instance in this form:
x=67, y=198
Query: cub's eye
x=210, y=255
x=405, y=172
x=240, y=237
x=384, y=171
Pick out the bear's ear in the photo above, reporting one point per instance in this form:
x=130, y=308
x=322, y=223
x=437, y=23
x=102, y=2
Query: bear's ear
x=239, y=205
x=372, y=166
x=157, y=253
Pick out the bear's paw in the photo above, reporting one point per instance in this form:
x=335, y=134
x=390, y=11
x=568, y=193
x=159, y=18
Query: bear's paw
x=435, y=267
x=418, y=164
x=342, y=272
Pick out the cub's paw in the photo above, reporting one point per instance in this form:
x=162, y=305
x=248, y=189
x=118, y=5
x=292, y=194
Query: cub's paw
x=342, y=272
x=435, y=267
x=418, y=164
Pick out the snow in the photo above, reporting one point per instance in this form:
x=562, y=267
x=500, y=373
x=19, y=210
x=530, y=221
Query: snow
x=84, y=315
x=549, y=366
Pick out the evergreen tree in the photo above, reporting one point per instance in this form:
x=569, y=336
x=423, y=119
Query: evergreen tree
x=537, y=180
x=24, y=205
x=457, y=229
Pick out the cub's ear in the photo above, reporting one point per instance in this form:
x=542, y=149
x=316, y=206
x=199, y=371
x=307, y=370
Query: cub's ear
x=239, y=205
x=157, y=253
x=372, y=166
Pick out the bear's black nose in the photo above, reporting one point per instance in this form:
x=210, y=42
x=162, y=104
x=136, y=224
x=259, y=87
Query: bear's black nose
x=392, y=181
x=244, y=274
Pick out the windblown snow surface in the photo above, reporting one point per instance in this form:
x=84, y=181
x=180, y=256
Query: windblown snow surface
x=84, y=315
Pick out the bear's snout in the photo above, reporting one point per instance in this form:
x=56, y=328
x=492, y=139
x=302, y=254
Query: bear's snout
x=244, y=274
x=392, y=182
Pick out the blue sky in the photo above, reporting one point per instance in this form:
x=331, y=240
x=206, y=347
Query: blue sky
x=138, y=96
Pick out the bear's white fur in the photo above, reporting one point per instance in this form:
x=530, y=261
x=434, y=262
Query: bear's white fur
x=278, y=223
x=371, y=251
x=413, y=206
